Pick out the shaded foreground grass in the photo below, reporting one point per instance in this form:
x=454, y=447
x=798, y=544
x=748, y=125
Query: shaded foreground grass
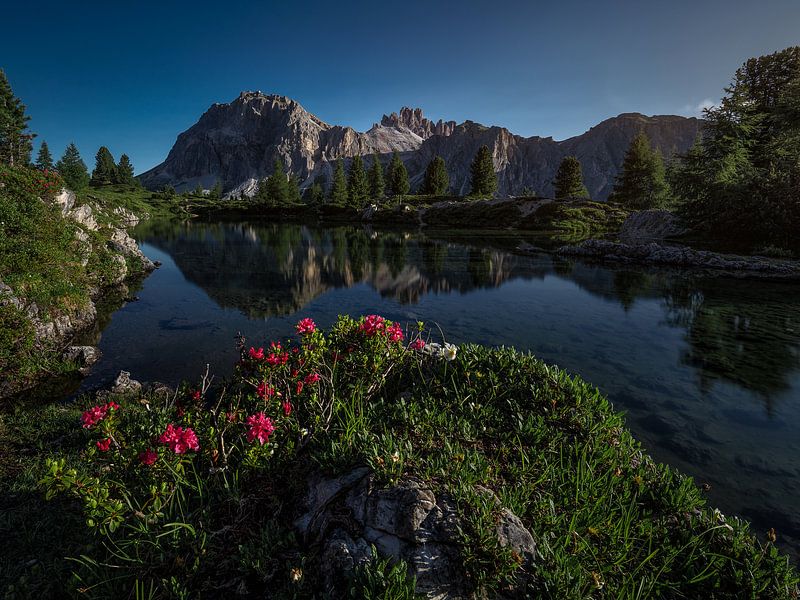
x=608, y=521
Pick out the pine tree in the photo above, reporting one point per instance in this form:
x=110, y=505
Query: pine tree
x=357, y=185
x=377, y=185
x=569, y=180
x=198, y=191
x=398, y=177
x=124, y=171
x=437, y=181
x=105, y=169
x=642, y=183
x=72, y=169
x=315, y=193
x=15, y=143
x=44, y=160
x=293, y=190
x=483, y=177
x=216, y=191
x=277, y=185
x=338, y=191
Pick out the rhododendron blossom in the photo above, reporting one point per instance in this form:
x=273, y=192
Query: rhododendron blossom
x=148, y=457
x=196, y=395
x=299, y=387
x=256, y=354
x=312, y=378
x=394, y=332
x=104, y=445
x=179, y=440
x=93, y=416
x=372, y=324
x=261, y=428
x=417, y=344
x=265, y=390
x=287, y=408
x=306, y=326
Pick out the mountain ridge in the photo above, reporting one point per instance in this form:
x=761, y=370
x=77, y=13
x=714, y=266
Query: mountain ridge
x=238, y=142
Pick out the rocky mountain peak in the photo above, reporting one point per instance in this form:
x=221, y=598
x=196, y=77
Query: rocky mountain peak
x=413, y=120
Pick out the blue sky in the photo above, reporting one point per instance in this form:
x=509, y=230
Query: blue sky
x=132, y=76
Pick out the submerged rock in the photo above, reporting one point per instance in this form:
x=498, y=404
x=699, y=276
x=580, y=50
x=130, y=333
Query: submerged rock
x=83, y=357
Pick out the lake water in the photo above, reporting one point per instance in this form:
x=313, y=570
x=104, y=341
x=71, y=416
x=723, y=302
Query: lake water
x=706, y=368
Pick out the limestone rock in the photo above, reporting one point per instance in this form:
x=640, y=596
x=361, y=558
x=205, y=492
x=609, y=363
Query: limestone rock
x=83, y=215
x=83, y=356
x=123, y=384
x=405, y=521
x=65, y=200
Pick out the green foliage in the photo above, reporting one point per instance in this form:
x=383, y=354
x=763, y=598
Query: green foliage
x=642, y=182
x=569, y=180
x=382, y=579
x=44, y=160
x=357, y=184
x=214, y=194
x=576, y=221
x=397, y=177
x=742, y=180
x=15, y=143
x=105, y=169
x=72, y=169
x=377, y=185
x=124, y=171
x=293, y=190
x=437, y=181
x=483, y=179
x=315, y=193
x=338, y=191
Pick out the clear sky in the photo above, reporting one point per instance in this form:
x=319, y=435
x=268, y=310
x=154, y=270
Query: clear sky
x=132, y=75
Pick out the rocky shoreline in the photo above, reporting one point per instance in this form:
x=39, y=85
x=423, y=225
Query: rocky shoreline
x=53, y=329
x=683, y=257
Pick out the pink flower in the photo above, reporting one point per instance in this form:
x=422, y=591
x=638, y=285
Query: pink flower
x=196, y=395
x=231, y=416
x=104, y=445
x=372, y=324
x=394, y=332
x=256, y=354
x=93, y=416
x=264, y=390
x=179, y=440
x=312, y=378
x=148, y=457
x=417, y=344
x=306, y=326
x=278, y=359
x=299, y=388
x=111, y=405
x=261, y=428
x=287, y=408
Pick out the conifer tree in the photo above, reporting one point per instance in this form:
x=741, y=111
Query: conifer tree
x=315, y=194
x=398, y=176
x=105, y=169
x=338, y=191
x=124, y=171
x=15, y=142
x=642, y=183
x=357, y=184
x=216, y=191
x=377, y=185
x=44, y=160
x=72, y=169
x=198, y=191
x=437, y=181
x=569, y=180
x=293, y=190
x=277, y=185
x=483, y=177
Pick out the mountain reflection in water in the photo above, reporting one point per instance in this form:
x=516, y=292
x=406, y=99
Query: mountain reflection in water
x=706, y=368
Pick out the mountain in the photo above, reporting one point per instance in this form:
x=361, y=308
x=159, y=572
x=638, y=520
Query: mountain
x=237, y=144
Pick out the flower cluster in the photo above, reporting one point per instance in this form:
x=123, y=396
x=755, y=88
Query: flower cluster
x=305, y=326
x=261, y=427
x=179, y=440
x=148, y=457
x=94, y=415
x=372, y=325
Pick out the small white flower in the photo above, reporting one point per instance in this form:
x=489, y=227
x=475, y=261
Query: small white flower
x=449, y=352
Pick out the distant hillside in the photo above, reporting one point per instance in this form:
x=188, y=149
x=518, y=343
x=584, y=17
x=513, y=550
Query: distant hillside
x=237, y=144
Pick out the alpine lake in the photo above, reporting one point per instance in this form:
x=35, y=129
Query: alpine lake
x=705, y=367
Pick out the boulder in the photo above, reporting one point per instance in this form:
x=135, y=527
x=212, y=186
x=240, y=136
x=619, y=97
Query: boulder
x=404, y=521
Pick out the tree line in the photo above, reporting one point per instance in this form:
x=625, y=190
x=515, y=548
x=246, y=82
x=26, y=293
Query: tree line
x=16, y=146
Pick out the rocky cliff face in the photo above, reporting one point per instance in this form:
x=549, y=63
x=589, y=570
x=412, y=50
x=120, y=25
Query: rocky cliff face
x=237, y=144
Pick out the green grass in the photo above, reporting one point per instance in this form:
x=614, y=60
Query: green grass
x=575, y=221
x=607, y=519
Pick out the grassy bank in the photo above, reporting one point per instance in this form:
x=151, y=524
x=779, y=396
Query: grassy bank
x=53, y=264
x=149, y=513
